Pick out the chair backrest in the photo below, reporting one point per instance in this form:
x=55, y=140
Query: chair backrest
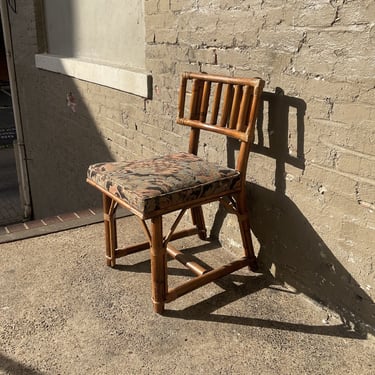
x=220, y=104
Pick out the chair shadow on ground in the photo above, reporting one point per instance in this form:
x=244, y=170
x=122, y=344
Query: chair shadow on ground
x=235, y=287
x=289, y=245
x=14, y=368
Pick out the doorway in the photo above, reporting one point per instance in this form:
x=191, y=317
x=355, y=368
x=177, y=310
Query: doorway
x=11, y=198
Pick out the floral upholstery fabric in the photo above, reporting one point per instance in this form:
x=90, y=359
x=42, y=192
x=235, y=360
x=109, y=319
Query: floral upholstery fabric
x=156, y=184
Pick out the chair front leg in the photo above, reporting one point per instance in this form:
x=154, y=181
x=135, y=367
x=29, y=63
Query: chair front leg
x=158, y=265
x=109, y=210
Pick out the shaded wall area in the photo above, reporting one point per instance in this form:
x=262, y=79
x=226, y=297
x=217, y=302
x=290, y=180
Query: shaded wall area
x=68, y=124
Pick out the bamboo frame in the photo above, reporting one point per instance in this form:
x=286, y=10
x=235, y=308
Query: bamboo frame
x=233, y=115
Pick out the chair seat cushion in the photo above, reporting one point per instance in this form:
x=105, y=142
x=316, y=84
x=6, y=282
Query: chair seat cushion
x=158, y=184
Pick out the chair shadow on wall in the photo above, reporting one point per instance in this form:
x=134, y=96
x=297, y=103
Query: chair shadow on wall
x=291, y=252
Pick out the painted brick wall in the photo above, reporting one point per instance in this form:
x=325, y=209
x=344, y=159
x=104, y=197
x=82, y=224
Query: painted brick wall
x=311, y=178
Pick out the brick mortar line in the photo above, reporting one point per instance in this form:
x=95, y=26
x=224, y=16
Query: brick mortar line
x=345, y=174
x=349, y=151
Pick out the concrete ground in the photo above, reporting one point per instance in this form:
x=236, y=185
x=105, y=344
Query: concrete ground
x=62, y=311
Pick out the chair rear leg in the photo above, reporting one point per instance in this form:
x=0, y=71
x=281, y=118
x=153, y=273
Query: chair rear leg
x=198, y=221
x=158, y=265
x=110, y=230
x=244, y=223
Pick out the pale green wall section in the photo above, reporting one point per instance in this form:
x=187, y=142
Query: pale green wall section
x=105, y=31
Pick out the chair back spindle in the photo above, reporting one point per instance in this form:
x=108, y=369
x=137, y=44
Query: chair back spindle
x=229, y=103
x=223, y=105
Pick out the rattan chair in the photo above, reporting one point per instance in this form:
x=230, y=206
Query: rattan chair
x=184, y=181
